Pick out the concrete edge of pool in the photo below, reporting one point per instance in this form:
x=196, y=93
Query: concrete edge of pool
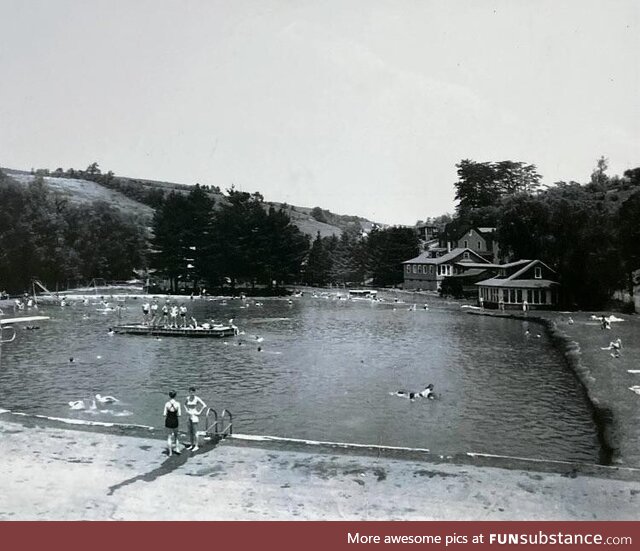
x=279, y=443
x=54, y=471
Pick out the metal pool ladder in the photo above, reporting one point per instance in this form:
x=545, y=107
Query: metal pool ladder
x=215, y=427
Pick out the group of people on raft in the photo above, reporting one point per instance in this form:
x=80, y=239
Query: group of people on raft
x=167, y=315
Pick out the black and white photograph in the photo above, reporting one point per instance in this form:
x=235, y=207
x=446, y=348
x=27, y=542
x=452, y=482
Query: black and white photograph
x=340, y=260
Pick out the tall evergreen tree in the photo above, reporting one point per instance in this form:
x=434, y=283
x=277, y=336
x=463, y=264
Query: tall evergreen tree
x=318, y=267
x=387, y=249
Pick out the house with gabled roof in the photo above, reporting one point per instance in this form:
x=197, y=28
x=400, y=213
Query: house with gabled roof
x=427, y=271
x=480, y=239
x=522, y=284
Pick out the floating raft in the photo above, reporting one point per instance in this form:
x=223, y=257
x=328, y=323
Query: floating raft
x=218, y=331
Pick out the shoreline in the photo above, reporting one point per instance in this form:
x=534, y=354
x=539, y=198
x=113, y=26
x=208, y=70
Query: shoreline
x=603, y=404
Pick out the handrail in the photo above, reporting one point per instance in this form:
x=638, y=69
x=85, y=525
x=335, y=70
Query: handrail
x=212, y=428
x=13, y=336
x=229, y=428
x=215, y=422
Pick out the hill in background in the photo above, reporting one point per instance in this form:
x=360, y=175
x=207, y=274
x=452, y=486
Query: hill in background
x=136, y=196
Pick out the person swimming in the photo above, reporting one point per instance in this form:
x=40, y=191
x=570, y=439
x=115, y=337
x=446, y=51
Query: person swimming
x=426, y=393
x=106, y=399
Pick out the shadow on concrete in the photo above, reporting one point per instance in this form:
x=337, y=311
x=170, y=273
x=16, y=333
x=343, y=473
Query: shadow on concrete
x=170, y=464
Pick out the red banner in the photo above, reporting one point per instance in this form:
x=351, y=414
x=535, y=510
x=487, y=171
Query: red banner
x=309, y=536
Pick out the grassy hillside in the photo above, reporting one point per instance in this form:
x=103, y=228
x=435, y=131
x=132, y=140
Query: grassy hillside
x=86, y=191
x=79, y=190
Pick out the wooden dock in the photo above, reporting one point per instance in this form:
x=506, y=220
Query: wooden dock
x=158, y=331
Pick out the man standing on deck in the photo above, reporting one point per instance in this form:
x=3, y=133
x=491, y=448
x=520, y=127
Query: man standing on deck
x=174, y=316
x=165, y=314
x=154, y=312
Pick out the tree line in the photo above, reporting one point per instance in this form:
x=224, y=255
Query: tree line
x=44, y=236
x=588, y=232
x=194, y=242
x=355, y=258
x=198, y=243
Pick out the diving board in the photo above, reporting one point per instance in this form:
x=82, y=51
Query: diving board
x=24, y=319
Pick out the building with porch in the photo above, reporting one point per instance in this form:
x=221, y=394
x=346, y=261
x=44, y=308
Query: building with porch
x=530, y=281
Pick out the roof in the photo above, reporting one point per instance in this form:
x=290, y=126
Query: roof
x=422, y=257
x=515, y=263
x=454, y=253
x=482, y=265
x=486, y=230
x=513, y=282
x=530, y=265
x=518, y=283
x=469, y=273
x=495, y=266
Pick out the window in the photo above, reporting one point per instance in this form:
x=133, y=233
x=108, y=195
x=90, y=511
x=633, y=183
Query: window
x=431, y=269
x=466, y=244
x=415, y=269
x=479, y=246
x=408, y=268
x=465, y=255
x=537, y=272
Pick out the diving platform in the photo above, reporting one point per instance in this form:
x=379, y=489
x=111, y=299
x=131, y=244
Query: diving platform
x=216, y=331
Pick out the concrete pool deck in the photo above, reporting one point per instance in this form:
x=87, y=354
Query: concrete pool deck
x=52, y=472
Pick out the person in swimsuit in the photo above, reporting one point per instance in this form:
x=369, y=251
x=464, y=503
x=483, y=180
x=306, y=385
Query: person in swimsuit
x=171, y=422
x=427, y=392
x=165, y=314
x=154, y=312
x=145, y=312
x=194, y=407
x=183, y=316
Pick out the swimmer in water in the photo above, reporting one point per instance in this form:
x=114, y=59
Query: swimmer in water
x=426, y=393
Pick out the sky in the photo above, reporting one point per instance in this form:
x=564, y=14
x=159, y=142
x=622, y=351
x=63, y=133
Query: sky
x=357, y=106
